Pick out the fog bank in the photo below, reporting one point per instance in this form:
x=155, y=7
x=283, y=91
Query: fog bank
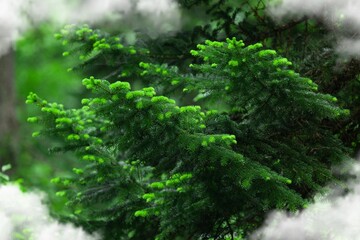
x=341, y=15
x=332, y=217
x=16, y=16
x=24, y=214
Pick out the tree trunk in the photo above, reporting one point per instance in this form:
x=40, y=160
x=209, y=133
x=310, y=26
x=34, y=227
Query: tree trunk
x=8, y=122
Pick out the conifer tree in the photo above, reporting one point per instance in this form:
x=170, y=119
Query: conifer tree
x=159, y=170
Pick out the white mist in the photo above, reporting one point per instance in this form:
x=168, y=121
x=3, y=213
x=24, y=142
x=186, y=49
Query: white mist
x=335, y=216
x=338, y=14
x=16, y=16
x=25, y=213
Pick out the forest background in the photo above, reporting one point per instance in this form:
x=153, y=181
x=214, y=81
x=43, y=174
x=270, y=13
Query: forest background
x=291, y=132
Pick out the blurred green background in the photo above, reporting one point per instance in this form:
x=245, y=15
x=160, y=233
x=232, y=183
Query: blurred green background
x=40, y=67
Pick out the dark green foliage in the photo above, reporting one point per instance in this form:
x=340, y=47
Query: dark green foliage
x=99, y=53
x=157, y=170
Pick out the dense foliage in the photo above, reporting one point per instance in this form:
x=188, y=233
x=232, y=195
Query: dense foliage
x=196, y=134
x=155, y=167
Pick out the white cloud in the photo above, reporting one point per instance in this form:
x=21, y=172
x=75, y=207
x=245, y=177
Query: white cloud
x=332, y=217
x=165, y=14
x=339, y=14
x=16, y=16
x=21, y=212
